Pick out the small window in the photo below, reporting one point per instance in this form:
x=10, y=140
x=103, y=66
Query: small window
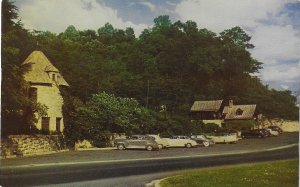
x=53, y=77
x=32, y=94
x=45, y=123
x=239, y=112
x=58, y=128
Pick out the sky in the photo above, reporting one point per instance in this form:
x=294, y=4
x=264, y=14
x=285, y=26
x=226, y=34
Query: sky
x=273, y=24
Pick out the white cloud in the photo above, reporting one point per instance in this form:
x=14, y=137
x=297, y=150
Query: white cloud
x=149, y=5
x=281, y=73
x=285, y=87
x=218, y=15
x=276, y=41
x=57, y=15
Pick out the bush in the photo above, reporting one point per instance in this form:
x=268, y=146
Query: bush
x=104, y=114
x=241, y=125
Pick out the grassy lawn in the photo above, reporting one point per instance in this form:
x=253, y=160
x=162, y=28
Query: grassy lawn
x=274, y=174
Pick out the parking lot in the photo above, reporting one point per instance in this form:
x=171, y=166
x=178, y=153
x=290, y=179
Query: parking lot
x=113, y=155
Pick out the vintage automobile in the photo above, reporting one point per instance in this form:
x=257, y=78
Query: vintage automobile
x=224, y=138
x=181, y=141
x=161, y=142
x=266, y=132
x=257, y=133
x=272, y=132
x=203, y=140
x=136, y=142
x=276, y=128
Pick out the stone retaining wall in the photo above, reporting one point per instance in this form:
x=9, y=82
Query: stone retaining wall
x=23, y=145
x=285, y=125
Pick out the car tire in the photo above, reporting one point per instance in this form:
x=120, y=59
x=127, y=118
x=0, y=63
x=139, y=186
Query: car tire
x=121, y=146
x=188, y=145
x=206, y=144
x=160, y=146
x=149, y=148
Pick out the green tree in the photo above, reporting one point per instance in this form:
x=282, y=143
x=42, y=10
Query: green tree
x=104, y=114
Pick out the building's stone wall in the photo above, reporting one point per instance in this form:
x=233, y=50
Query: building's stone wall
x=285, y=125
x=23, y=145
x=51, y=97
x=215, y=121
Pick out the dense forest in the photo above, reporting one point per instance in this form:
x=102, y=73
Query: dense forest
x=171, y=64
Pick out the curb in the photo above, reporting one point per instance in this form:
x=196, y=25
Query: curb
x=154, y=183
x=96, y=149
x=34, y=154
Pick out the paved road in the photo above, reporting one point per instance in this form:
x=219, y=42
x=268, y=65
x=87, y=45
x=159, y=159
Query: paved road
x=82, y=156
x=107, y=168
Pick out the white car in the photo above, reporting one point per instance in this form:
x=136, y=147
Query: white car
x=181, y=141
x=273, y=133
x=224, y=138
x=162, y=143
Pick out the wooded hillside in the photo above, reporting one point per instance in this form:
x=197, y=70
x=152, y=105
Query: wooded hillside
x=171, y=64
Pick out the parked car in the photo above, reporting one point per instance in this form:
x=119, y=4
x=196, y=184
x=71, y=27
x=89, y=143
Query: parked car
x=224, y=138
x=162, y=143
x=136, y=142
x=181, y=141
x=266, y=132
x=276, y=128
x=272, y=132
x=258, y=133
x=203, y=140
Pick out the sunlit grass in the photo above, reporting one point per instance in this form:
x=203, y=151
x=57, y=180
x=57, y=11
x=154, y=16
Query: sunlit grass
x=275, y=174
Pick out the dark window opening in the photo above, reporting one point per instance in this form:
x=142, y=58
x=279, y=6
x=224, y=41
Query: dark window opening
x=53, y=77
x=45, y=123
x=58, y=126
x=33, y=94
x=239, y=112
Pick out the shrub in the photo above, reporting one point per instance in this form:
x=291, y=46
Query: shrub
x=242, y=125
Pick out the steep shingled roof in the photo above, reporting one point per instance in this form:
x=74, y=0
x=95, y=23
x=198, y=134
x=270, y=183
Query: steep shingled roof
x=239, y=112
x=206, y=105
x=39, y=66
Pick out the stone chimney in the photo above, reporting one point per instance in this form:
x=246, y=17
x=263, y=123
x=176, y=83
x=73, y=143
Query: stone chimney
x=230, y=103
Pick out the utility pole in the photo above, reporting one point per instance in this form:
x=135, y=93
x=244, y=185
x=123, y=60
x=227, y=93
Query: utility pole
x=147, y=95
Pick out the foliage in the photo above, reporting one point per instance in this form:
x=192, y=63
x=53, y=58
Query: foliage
x=241, y=125
x=17, y=111
x=73, y=131
x=104, y=113
x=180, y=61
x=260, y=174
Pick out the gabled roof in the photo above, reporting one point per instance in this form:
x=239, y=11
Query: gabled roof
x=39, y=66
x=206, y=106
x=239, y=112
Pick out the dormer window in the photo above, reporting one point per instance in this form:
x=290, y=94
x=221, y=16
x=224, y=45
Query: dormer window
x=239, y=112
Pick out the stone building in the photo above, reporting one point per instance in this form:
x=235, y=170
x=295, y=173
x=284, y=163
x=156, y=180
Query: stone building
x=45, y=80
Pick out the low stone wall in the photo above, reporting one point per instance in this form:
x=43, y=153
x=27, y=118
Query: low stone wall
x=285, y=125
x=23, y=145
x=216, y=121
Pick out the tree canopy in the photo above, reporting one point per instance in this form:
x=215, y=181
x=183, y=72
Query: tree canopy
x=180, y=61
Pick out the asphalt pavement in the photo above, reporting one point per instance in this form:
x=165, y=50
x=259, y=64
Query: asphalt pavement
x=117, y=167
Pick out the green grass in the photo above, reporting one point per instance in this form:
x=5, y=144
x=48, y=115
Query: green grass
x=273, y=174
